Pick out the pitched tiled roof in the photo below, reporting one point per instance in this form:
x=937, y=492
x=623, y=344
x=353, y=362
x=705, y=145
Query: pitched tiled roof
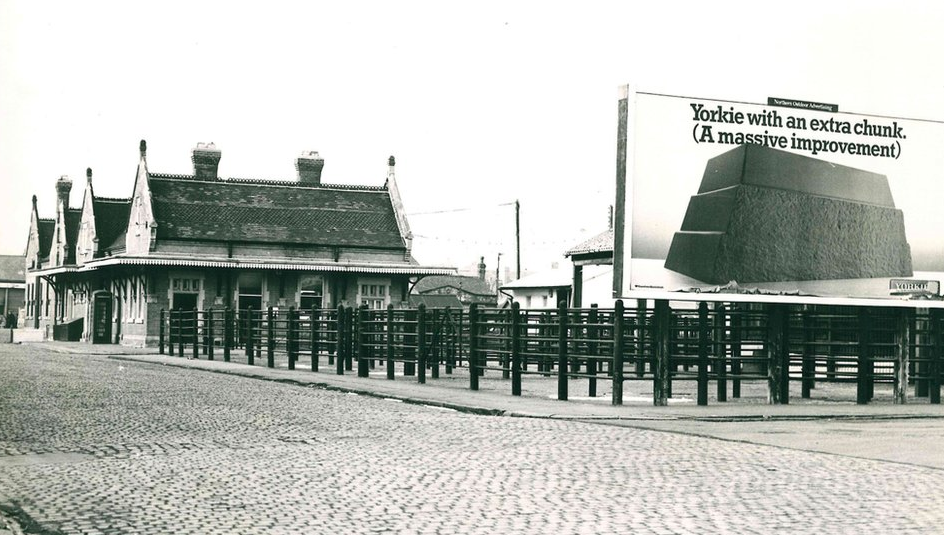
x=47, y=227
x=12, y=268
x=601, y=243
x=111, y=221
x=471, y=285
x=273, y=212
x=73, y=220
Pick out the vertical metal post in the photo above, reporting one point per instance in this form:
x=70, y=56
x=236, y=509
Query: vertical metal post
x=390, y=363
x=180, y=332
x=341, y=328
x=208, y=329
x=196, y=331
x=160, y=334
x=290, y=338
x=864, y=357
x=920, y=335
x=435, y=354
x=270, y=335
x=515, y=349
x=720, y=351
x=778, y=354
x=349, y=332
x=618, y=353
x=808, y=370
x=473, y=347
x=562, y=368
x=593, y=332
x=421, y=348
x=641, y=316
x=409, y=339
x=227, y=332
x=362, y=367
x=902, y=354
x=250, y=351
x=506, y=345
x=313, y=340
x=661, y=333
x=450, y=347
x=170, y=332
x=703, y=353
x=737, y=321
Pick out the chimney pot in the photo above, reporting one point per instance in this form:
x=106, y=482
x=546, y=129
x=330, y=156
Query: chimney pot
x=63, y=187
x=309, y=166
x=206, y=161
x=482, y=267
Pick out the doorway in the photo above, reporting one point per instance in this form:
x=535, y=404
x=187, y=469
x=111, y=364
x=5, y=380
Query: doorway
x=101, y=317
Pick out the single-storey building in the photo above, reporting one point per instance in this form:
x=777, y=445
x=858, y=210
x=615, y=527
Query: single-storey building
x=593, y=271
x=464, y=289
x=202, y=241
x=12, y=289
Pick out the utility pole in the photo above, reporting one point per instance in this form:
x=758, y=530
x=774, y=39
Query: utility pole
x=498, y=278
x=517, y=239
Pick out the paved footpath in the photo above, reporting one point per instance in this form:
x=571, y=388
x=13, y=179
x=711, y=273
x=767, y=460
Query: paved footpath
x=146, y=444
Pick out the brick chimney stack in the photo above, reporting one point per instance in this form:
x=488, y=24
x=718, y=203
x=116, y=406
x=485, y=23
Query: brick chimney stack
x=482, y=268
x=63, y=187
x=206, y=161
x=309, y=166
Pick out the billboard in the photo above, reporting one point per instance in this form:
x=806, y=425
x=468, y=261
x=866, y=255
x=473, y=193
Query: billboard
x=776, y=197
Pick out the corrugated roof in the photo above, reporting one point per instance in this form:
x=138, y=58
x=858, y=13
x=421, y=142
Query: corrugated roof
x=601, y=243
x=12, y=268
x=286, y=213
x=471, y=285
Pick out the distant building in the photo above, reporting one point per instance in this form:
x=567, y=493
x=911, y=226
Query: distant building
x=436, y=301
x=593, y=270
x=544, y=289
x=12, y=288
x=201, y=241
x=466, y=290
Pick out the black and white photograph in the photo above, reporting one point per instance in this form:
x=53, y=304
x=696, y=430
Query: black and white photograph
x=423, y=267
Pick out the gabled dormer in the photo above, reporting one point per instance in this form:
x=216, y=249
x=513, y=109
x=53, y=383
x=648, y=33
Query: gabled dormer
x=103, y=225
x=141, y=234
x=87, y=242
x=40, y=238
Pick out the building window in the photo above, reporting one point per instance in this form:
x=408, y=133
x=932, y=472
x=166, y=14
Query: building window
x=374, y=296
x=249, y=288
x=311, y=293
x=185, y=293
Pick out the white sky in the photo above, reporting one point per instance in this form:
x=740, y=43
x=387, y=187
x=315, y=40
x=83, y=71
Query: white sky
x=481, y=103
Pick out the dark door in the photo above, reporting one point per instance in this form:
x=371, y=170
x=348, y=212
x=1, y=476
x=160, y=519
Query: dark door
x=101, y=319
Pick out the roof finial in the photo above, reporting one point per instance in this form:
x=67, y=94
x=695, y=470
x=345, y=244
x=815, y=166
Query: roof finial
x=88, y=174
x=34, y=201
x=143, y=147
x=391, y=161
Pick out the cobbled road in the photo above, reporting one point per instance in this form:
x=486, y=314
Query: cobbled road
x=93, y=445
